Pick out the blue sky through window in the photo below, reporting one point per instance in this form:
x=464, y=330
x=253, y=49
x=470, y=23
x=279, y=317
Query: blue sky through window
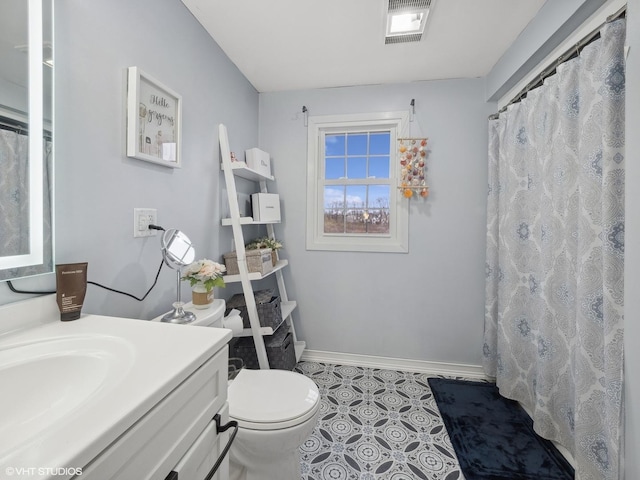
x=362, y=155
x=346, y=155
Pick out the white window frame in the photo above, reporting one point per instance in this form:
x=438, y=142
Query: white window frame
x=397, y=241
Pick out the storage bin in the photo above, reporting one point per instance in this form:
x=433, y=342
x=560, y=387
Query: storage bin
x=258, y=160
x=268, y=305
x=257, y=261
x=280, y=350
x=265, y=207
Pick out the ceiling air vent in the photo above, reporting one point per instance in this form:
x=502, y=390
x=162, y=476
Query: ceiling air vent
x=402, y=38
x=406, y=20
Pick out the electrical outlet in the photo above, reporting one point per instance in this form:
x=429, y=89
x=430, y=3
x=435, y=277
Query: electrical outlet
x=142, y=218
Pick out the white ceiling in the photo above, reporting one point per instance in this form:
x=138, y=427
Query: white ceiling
x=284, y=45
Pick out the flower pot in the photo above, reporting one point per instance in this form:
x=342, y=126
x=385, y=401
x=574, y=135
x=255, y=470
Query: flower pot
x=200, y=297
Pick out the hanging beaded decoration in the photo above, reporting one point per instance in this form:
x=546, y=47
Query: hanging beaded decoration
x=413, y=153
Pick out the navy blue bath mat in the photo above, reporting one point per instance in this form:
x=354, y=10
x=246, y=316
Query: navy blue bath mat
x=493, y=436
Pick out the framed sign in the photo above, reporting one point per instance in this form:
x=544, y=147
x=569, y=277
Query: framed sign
x=153, y=120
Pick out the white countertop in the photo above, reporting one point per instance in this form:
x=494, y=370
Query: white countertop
x=152, y=359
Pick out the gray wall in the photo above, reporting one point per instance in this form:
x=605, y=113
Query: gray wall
x=424, y=305
x=97, y=185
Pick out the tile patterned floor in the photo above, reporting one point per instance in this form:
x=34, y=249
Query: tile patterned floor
x=376, y=424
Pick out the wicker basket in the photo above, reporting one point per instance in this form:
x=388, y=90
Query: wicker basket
x=280, y=350
x=267, y=304
x=257, y=261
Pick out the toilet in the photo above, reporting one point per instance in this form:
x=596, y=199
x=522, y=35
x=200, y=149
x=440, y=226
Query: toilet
x=276, y=411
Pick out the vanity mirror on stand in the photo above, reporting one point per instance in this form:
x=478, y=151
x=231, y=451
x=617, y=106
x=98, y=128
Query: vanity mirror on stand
x=178, y=252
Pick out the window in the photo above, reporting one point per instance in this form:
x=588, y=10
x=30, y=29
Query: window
x=353, y=203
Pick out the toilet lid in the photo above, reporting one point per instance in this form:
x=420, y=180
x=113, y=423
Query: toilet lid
x=272, y=399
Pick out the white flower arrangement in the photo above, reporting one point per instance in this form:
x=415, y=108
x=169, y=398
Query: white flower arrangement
x=206, y=272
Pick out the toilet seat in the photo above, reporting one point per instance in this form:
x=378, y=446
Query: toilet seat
x=272, y=399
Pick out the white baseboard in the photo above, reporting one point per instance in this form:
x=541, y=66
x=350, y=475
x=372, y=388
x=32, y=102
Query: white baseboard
x=388, y=363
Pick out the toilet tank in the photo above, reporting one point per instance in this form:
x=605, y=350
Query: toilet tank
x=209, y=317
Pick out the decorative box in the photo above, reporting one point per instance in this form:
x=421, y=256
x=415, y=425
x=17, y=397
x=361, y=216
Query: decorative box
x=259, y=161
x=257, y=261
x=265, y=207
x=279, y=346
x=267, y=304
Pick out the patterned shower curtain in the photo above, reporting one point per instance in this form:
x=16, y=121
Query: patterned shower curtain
x=14, y=202
x=555, y=255
x=14, y=182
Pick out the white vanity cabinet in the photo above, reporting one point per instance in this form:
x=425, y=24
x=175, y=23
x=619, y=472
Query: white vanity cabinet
x=108, y=398
x=154, y=446
x=204, y=453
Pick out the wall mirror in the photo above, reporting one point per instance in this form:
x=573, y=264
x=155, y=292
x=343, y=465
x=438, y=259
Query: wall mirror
x=26, y=159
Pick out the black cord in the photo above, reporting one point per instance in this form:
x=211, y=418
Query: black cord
x=128, y=294
x=151, y=227
x=15, y=290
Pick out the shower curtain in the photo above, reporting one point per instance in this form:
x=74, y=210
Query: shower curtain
x=14, y=182
x=14, y=202
x=555, y=253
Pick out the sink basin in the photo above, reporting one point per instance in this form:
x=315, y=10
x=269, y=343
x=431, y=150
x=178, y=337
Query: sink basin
x=71, y=391
x=47, y=380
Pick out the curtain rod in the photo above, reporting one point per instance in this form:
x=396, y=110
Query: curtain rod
x=12, y=125
x=13, y=128
x=21, y=128
x=569, y=54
